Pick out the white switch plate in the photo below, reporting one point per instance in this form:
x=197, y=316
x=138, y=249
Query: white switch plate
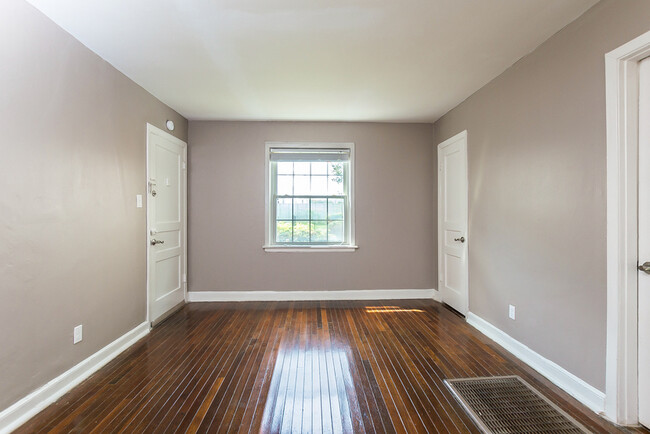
x=511, y=312
x=138, y=200
x=78, y=334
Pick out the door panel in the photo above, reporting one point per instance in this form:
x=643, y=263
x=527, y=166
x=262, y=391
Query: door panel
x=644, y=244
x=166, y=216
x=452, y=222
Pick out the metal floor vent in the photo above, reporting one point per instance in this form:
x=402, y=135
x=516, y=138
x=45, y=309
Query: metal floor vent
x=510, y=405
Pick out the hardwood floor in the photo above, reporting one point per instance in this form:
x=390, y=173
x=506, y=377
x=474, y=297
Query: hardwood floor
x=295, y=367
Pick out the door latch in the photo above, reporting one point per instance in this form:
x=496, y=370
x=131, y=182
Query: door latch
x=152, y=186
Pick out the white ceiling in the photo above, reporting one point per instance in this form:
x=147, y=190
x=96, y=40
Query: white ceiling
x=347, y=60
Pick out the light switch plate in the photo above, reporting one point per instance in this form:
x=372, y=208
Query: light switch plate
x=511, y=312
x=138, y=200
x=78, y=334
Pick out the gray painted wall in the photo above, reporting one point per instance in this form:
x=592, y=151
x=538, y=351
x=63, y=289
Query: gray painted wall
x=72, y=242
x=394, y=209
x=536, y=144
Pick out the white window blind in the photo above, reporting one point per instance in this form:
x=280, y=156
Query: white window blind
x=284, y=154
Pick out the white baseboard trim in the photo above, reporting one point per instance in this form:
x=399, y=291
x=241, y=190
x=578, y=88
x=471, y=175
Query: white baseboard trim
x=23, y=410
x=574, y=386
x=365, y=294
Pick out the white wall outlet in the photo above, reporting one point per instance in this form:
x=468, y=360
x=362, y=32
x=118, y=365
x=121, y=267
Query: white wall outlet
x=138, y=200
x=78, y=334
x=511, y=312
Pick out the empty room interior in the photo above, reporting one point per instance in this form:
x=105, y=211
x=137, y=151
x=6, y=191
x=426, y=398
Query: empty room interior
x=325, y=216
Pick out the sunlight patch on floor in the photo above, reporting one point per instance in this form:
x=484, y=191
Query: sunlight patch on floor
x=389, y=309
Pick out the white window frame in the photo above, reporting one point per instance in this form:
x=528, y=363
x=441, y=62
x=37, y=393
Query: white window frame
x=270, y=245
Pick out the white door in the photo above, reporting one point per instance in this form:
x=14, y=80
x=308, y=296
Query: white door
x=452, y=222
x=644, y=243
x=166, y=221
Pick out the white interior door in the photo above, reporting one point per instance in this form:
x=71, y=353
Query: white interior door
x=166, y=221
x=452, y=222
x=644, y=244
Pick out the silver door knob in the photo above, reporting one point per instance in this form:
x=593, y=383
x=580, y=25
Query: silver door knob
x=461, y=239
x=645, y=267
x=155, y=241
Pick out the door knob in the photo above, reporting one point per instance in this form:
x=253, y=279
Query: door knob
x=155, y=241
x=462, y=240
x=645, y=267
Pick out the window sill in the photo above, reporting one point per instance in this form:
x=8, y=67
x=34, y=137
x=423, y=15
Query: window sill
x=309, y=249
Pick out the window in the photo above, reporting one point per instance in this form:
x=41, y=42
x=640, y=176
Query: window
x=309, y=194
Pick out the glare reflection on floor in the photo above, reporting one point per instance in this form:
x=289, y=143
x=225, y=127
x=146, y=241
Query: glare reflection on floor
x=307, y=392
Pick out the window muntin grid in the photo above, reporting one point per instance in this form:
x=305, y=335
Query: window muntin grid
x=310, y=202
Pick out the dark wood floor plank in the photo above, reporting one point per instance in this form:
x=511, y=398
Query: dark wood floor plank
x=154, y=386
x=255, y=407
x=194, y=398
x=335, y=366
x=402, y=414
x=226, y=412
x=353, y=416
x=432, y=377
x=237, y=358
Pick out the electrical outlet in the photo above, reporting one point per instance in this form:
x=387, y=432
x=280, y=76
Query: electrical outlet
x=511, y=312
x=78, y=334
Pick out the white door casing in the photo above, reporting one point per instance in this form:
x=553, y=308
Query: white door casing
x=622, y=102
x=166, y=222
x=644, y=243
x=453, y=271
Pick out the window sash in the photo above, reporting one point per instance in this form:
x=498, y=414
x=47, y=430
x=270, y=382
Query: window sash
x=311, y=220
x=273, y=197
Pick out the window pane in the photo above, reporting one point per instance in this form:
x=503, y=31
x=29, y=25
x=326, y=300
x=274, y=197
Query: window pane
x=283, y=232
x=335, y=169
x=319, y=232
x=301, y=185
x=283, y=209
x=301, y=209
x=319, y=185
x=319, y=168
x=335, y=232
x=285, y=185
x=319, y=209
x=335, y=186
x=301, y=168
x=301, y=232
x=285, y=168
x=336, y=209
